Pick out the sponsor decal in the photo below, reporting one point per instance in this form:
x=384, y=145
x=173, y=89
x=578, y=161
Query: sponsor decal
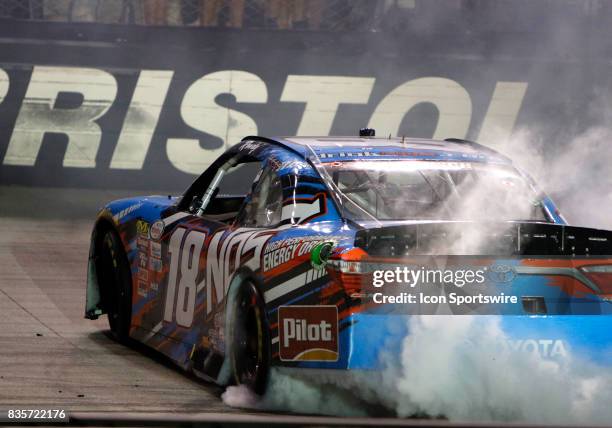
x=142, y=260
x=251, y=146
x=143, y=243
x=154, y=286
x=346, y=154
x=546, y=348
x=279, y=252
x=294, y=165
x=217, y=333
x=156, y=250
x=142, y=229
x=157, y=230
x=501, y=273
x=226, y=252
x=126, y=211
x=142, y=288
x=143, y=274
x=308, y=333
x=155, y=264
x=278, y=257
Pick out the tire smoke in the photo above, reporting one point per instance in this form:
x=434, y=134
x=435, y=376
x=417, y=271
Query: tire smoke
x=451, y=367
x=576, y=174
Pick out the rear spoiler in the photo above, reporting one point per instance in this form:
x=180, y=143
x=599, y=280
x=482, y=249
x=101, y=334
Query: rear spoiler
x=466, y=238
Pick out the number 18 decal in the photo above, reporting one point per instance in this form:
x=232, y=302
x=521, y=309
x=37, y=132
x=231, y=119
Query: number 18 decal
x=184, y=262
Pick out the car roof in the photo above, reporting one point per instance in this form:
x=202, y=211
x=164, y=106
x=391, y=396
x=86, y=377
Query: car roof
x=352, y=148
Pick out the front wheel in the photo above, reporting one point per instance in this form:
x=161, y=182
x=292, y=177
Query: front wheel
x=250, y=350
x=116, y=280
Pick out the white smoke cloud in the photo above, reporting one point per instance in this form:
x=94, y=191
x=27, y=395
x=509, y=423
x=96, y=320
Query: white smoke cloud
x=295, y=393
x=452, y=367
x=577, y=173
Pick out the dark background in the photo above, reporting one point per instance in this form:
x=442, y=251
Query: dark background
x=566, y=65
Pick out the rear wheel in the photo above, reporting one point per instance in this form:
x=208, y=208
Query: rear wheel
x=250, y=351
x=116, y=280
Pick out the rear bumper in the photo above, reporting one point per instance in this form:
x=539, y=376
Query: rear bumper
x=367, y=341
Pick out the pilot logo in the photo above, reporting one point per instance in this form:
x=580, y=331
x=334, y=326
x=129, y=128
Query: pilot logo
x=308, y=333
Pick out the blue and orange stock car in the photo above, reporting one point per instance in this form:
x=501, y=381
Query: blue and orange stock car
x=267, y=259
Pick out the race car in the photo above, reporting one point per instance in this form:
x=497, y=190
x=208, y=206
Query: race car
x=273, y=257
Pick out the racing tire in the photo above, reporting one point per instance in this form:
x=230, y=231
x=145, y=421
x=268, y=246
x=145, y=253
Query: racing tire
x=117, y=283
x=250, y=340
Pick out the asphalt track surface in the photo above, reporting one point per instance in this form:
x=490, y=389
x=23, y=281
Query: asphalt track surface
x=51, y=357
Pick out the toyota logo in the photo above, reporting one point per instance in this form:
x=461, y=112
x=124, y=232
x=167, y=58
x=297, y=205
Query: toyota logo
x=501, y=273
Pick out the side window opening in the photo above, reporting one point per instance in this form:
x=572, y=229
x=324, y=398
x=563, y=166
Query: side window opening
x=266, y=204
x=238, y=180
x=225, y=194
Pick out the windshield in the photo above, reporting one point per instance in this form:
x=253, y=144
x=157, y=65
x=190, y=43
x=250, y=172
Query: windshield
x=433, y=190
